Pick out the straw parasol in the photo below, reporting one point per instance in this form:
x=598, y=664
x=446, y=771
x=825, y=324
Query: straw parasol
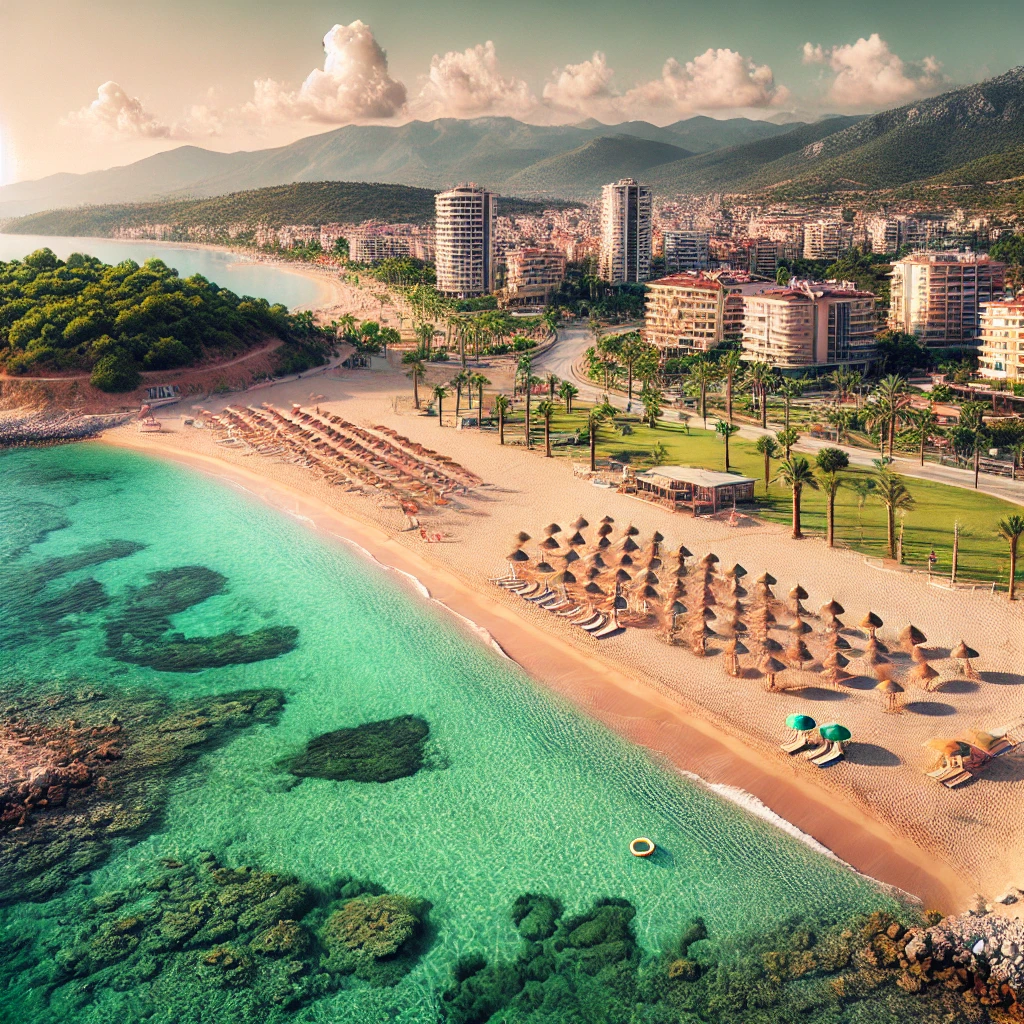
x=918, y=655
x=577, y=540
x=625, y=560
x=570, y=556
x=770, y=667
x=632, y=531
x=606, y=520
x=910, y=636
x=519, y=555
x=799, y=627
x=552, y=528
x=833, y=608
x=733, y=649
x=890, y=691
x=604, y=529
x=544, y=568
x=709, y=560
x=522, y=537
x=797, y=654
x=550, y=544
x=875, y=646
x=766, y=579
x=964, y=653
x=870, y=622
x=924, y=675
x=579, y=523
x=622, y=576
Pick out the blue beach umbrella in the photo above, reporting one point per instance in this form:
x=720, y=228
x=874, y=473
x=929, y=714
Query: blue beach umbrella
x=835, y=732
x=801, y=723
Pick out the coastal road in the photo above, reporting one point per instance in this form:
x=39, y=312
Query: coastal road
x=565, y=355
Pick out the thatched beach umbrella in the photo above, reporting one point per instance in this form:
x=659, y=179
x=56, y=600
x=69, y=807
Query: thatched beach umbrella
x=522, y=537
x=579, y=523
x=890, y=691
x=552, y=528
x=797, y=654
x=630, y=545
x=770, y=667
x=519, y=555
x=870, y=622
x=964, y=654
x=833, y=608
x=622, y=576
x=875, y=646
x=733, y=649
x=625, y=560
x=709, y=560
x=604, y=543
x=544, y=568
x=605, y=520
x=918, y=655
x=604, y=529
x=597, y=561
x=577, y=540
x=700, y=633
x=570, y=556
x=924, y=675
x=910, y=636
x=799, y=627
x=550, y=544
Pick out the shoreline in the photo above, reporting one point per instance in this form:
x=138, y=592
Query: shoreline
x=674, y=732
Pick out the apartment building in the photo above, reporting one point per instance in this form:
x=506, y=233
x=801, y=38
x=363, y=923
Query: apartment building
x=785, y=228
x=827, y=239
x=373, y=247
x=1002, y=340
x=626, y=232
x=810, y=324
x=686, y=251
x=532, y=275
x=890, y=234
x=464, y=240
x=689, y=313
x=937, y=296
x=761, y=256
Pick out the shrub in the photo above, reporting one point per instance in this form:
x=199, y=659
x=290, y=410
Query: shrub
x=115, y=373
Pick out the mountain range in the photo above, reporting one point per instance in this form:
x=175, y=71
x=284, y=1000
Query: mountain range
x=970, y=138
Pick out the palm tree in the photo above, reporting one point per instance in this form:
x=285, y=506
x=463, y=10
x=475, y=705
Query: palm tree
x=767, y=446
x=440, y=393
x=790, y=389
x=529, y=383
x=703, y=375
x=729, y=367
x=595, y=417
x=862, y=486
x=552, y=380
x=891, y=491
x=923, y=421
x=481, y=382
x=630, y=350
x=787, y=438
x=458, y=382
x=891, y=399
x=762, y=378
x=797, y=474
x=347, y=325
x=501, y=407
x=831, y=462
x=1010, y=529
x=416, y=371
x=567, y=392
x=725, y=431
x=546, y=409
x=425, y=333
x=653, y=400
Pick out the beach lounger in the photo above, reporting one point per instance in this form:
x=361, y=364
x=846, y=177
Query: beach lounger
x=546, y=596
x=834, y=755
x=526, y=591
x=794, y=747
x=589, y=620
x=569, y=613
x=554, y=604
x=951, y=772
x=817, y=751
x=591, y=627
x=954, y=764
x=612, y=627
x=956, y=780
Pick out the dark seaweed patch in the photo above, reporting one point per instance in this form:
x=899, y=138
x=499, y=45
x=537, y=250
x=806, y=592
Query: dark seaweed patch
x=375, y=752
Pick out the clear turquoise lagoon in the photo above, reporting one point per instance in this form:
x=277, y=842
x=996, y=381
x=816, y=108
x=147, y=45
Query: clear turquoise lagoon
x=522, y=793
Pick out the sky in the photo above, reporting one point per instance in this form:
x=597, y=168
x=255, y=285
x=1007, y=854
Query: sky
x=90, y=84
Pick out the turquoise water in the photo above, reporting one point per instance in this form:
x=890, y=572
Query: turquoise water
x=226, y=269
x=523, y=794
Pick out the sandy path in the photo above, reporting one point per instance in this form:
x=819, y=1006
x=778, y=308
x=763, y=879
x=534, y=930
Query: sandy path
x=877, y=810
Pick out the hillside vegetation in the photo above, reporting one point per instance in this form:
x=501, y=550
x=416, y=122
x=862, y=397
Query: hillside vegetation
x=115, y=321
x=317, y=202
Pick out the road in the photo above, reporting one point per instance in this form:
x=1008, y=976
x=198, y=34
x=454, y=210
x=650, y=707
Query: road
x=566, y=353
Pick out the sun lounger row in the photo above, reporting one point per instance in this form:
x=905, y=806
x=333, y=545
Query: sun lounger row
x=818, y=751
x=596, y=623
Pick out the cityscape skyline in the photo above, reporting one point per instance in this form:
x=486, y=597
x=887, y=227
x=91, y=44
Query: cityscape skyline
x=117, y=99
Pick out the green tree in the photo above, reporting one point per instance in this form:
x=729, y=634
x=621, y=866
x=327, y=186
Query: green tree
x=567, y=392
x=440, y=393
x=889, y=400
x=116, y=372
x=730, y=367
x=702, y=376
x=790, y=389
x=782, y=277
x=416, y=371
x=863, y=487
x=725, y=431
x=768, y=448
x=629, y=351
x=546, y=410
x=787, y=438
x=425, y=334
x=831, y=462
x=891, y=492
x=652, y=400
x=1010, y=529
x=552, y=380
x=922, y=421
x=595, y=417
x=762, y=379
x=796, y=474
x=501, y=406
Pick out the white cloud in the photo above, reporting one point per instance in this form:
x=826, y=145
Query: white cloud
x=715, y=80
x=353, y=85
x=470, y=84
x=114, y=112
x=869, y=76
x=584, y=88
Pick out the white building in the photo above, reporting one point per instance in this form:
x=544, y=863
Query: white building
x=1002, y=340
x=686, y=251
x=626, y=232
x=827, y=239
x=464, y=240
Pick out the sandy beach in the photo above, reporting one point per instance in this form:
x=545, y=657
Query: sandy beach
x=876, y=811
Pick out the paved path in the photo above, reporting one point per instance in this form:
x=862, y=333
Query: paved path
x=567, y=352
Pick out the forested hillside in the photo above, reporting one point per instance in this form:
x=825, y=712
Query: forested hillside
x=115, y=321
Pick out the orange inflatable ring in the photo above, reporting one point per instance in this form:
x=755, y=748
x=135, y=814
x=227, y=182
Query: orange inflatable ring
x=641, y=847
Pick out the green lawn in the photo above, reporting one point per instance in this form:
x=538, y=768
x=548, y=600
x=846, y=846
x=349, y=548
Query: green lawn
x=983, y=555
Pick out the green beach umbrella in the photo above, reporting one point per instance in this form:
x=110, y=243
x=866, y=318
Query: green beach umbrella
x=801, y=723
x=835, y=732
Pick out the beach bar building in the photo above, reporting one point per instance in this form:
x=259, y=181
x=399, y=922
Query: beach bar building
x=700, y=490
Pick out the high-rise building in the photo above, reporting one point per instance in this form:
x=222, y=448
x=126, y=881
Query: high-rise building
x=689, y=313
x=533, y=274
x=464, y=240
x=937, y=296
x=761, y=256
x=626, y=232
x=827, y=239
x=1002, y=340
x=686, y=251
x=810, y=323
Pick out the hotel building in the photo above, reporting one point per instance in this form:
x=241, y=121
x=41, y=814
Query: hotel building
x=533, y=275
x=810, y=324
x=464, y=240
x=686, y=251
x=689, y=313
x=937, y=296
x=827, y=239
x=1002, y=340
x=626, y=232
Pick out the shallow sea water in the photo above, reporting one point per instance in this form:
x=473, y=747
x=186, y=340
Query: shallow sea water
x=523, y=795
